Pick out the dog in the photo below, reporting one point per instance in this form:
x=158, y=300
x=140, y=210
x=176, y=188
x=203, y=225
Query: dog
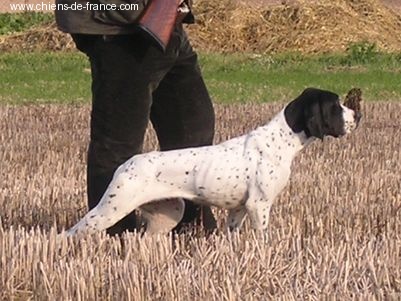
x=243, y=174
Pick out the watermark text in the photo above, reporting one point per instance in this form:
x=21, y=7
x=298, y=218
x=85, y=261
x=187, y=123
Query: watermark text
x=73, y=6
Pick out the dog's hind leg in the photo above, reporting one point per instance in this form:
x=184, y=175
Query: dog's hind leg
x=120, y=199
x=162, y=216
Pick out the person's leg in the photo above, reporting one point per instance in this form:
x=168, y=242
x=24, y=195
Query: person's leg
x=125, y=71
x=183, y=116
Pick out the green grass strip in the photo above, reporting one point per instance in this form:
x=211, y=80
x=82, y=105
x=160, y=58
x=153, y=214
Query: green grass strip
x=65, y=77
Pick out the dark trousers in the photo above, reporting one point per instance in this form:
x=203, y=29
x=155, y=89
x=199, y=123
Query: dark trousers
x=132, y=82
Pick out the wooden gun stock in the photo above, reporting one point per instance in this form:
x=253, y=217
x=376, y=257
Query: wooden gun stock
x=159, y=19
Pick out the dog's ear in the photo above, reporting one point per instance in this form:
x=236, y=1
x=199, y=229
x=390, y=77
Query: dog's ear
x=311, y=112
x=314, y=121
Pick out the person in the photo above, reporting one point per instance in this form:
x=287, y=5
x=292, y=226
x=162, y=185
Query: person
x=133, y=81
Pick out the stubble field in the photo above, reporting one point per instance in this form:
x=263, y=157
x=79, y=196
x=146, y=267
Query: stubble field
x=335, y=231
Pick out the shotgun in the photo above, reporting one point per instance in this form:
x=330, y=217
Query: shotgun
x=159, y=19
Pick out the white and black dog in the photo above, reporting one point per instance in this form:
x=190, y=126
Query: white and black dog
x=243, y=175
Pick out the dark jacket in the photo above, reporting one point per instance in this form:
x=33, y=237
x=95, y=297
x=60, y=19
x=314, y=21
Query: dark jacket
x=88, y=20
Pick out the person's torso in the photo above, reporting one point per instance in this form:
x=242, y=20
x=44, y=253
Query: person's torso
x=99, y=16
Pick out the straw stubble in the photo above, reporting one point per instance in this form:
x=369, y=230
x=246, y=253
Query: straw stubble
x=335, y=230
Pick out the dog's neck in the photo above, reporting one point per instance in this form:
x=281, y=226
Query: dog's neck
x=279, y=140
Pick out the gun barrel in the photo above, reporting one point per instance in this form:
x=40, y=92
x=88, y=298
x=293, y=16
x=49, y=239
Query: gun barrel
x=159, y=20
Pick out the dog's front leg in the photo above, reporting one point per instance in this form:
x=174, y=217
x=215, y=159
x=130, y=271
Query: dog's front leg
x=258, y=208
x=236, y=217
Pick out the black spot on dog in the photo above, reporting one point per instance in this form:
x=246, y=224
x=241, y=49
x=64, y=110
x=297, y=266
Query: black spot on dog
x=112, y=196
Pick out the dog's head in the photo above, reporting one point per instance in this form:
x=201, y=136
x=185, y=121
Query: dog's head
x=319, y=113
